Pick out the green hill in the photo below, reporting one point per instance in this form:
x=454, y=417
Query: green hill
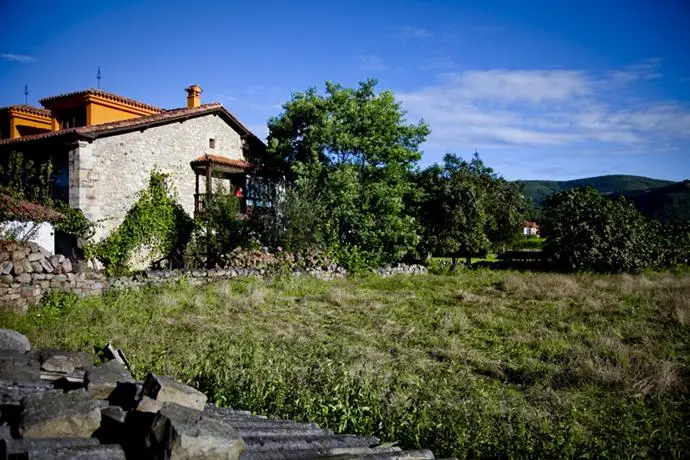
x=659, y=199
x=669, y=204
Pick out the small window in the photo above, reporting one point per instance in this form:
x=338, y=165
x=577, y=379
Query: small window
x=212, y=143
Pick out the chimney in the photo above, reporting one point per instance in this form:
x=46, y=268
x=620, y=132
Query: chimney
x=193, y=96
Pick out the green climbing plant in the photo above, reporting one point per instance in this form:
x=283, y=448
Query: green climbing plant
x=156, y=221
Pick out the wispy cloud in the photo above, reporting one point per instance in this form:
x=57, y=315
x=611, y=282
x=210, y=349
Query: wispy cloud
x=23, y=58
x=413, y=32
x=222, y=97
x=371, y=63
x=554, y=108
x=649, y=69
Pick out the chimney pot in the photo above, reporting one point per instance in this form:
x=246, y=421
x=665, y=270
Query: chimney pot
x=193, y=95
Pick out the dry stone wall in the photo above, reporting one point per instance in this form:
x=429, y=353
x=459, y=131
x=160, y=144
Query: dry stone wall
x=28, y=272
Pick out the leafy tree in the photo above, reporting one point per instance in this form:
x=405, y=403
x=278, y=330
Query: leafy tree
x=466, y=208
x=676, y=243
x=356, y=147
x=585, y=231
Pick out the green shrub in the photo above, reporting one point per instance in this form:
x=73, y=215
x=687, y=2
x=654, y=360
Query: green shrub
x=155, y=220
x=534, y=243
x=585, y=231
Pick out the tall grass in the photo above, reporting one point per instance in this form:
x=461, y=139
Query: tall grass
x=481, y=364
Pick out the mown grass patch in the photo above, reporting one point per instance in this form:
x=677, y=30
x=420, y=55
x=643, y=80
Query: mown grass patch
x=480, y=364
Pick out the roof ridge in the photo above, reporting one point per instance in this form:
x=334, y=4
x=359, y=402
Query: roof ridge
x=101, y=92
x=27, y=108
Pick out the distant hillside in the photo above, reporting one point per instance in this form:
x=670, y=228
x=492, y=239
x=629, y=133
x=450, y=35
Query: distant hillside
x=660, y=199
x=667, y=204
x=538, y=190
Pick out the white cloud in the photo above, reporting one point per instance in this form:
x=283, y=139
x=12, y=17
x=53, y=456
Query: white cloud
x=643, y=70
x=371, y=62
x=413, y=32
x=554, y=108
x=23, y=58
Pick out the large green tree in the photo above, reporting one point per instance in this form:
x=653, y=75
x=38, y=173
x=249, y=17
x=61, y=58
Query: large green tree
x=467, y=209
x=356, y=147
x=585, y=231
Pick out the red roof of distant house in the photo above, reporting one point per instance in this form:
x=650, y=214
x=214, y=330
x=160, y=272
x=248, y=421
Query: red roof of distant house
x=531, y=224
x=22, y=210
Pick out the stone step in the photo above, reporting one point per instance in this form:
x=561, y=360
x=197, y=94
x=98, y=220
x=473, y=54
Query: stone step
x=213, y=409
x=276, y=444
x=406, y=455
x=100, y=452
x=17, y=447
x=305, y=454
x=286, y=424
x=279, y=432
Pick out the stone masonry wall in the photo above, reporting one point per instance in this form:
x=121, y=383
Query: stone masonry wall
x=27, y=272
x=107, y=173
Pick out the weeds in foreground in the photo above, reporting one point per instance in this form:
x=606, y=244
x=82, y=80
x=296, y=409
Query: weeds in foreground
x=481, y=364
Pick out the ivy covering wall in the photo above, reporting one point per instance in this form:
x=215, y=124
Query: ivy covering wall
x=155, y=221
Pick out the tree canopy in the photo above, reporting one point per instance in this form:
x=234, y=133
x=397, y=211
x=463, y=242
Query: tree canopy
x=585, y=231
x=467, y=209
x=356, y=147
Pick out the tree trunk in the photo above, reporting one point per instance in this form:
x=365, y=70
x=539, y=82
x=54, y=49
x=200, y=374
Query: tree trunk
x=454, y=263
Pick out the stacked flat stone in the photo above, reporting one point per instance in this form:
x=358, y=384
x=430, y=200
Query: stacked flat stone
x=401, y=269
x=27, y=271
x=57, y=405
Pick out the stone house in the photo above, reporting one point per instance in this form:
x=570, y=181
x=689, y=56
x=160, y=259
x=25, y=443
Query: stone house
x=104, y=146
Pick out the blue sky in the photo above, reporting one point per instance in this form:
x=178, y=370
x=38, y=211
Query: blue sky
x=541, y=89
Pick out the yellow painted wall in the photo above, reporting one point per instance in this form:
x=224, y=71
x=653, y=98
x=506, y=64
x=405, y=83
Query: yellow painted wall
x=100, y=111
x=18, y=119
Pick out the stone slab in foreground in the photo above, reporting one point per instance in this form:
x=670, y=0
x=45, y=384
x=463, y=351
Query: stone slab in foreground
x=166, y=389
x=101, y=381
x=13, y=340
x=182, y=433
x=54, y=414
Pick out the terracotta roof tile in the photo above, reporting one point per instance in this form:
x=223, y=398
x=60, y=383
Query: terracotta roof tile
x=149, y=119
x=101, y=93
x=28, y=109
x=35, y=137
x=221, y=160
x=139, y=122
x=22, y=210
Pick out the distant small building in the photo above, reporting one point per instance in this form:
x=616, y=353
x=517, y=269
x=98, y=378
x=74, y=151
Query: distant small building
x=530, y=229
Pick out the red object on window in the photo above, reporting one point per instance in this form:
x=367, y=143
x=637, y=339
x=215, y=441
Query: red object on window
x=238, y=192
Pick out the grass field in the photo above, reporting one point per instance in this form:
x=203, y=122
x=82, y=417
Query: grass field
x=480, y=364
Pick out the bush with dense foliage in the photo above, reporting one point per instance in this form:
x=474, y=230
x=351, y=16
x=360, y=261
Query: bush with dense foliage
x=356, y=147
x=676, y=243
x=466, y=209
x=586, y=231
